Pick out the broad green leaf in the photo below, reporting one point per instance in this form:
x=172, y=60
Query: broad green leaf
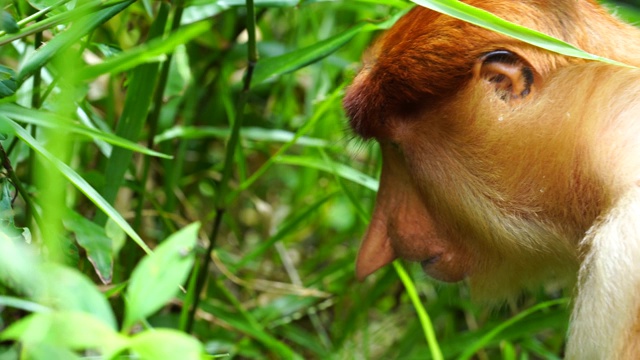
x=53, y=120
x=487, y=20
x=296, y=59
x=19, y=266
x=66, y=330
x=8, y=24
x=47, y=351
x=166, y=344
x=6, y=214
x=156, y=279
x=94, y=241
x=50, y=285
x=341, y=170
x=7, y=125
x=8, y=84
x=68, y=289
x=80, y=28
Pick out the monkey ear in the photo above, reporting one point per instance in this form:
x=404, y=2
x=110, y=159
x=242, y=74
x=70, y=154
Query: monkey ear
x=507, y=72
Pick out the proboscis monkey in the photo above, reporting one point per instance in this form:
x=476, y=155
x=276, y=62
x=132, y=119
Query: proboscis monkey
x=506, y=164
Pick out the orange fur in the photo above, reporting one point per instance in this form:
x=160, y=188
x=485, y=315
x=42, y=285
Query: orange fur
x=506, y=189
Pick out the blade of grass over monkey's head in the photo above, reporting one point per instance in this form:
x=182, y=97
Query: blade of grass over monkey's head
x=491, y=22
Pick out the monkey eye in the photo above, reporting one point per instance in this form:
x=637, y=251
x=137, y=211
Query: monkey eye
x=508, y=73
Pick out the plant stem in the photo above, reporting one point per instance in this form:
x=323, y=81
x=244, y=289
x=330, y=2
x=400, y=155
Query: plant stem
x=223, y=187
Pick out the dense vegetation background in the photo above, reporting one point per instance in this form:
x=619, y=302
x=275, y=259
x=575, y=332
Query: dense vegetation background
x=135, y=119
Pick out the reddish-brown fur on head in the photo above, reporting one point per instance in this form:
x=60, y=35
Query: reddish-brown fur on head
x=507, y=164
x=427, y=55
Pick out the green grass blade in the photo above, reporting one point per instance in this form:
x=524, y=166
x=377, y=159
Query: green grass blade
x=423, y=316
x=39, y=26
x=341, y=170
x=489, y=21
x=70, y=37
x=247, y=133
x=300, y=58
x=7, y=125
x=149, y=52
x=469, y=351
x=289, y=227
x=53, y=120
x=142, y=83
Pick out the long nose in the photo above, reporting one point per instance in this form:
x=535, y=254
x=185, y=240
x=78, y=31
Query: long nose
x=395, y=192
x=375, y=249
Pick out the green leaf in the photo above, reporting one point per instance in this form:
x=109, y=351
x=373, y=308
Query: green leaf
x=152, y=51
x=19, y=266
x=8, y=83
x=68, y=289
x=341, y=170
x=66, y=331
x=70, y=37
x=489, y=21
x=44, y=4
x=247, y=133
x=53, y=120
x=95, y=242
x=158, y=276
x=6, y=214
x=80, y=183
x=299, y=58
x=479, y=344
x=166, y=344
x=142, y=83
x=8, y=23
x=17, y=303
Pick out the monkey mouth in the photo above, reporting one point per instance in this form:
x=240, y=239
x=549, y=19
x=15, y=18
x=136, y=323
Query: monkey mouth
x=439, y=268
x=431, y=260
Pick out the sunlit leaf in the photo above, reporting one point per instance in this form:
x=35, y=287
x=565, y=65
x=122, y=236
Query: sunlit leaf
x=158, y=276
x=166, y=344
x=66, y=330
